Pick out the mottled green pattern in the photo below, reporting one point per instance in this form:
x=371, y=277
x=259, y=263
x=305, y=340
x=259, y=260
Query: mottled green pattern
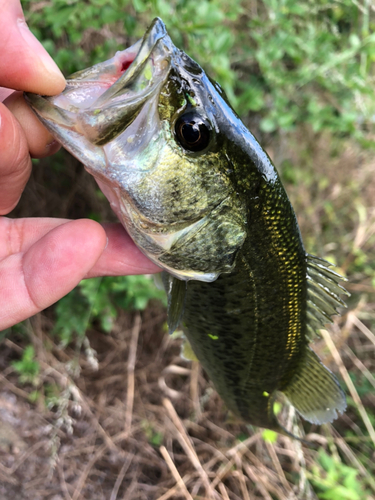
x=257, y=312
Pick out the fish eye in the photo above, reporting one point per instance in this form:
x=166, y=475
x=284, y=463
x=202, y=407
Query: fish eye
x=193, y=132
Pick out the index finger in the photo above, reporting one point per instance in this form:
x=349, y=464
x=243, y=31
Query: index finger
x=24, y=63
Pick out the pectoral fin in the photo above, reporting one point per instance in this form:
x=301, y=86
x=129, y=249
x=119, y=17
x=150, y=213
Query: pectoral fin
x=176, y=291
x=315, y=392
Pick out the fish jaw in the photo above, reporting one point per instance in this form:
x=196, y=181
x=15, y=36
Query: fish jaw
x=100, y=103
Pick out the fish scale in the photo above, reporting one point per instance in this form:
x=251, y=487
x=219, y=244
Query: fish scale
x=201, y=198
x=246, y=344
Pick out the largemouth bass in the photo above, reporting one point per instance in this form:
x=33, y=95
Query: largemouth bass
x=201, y=198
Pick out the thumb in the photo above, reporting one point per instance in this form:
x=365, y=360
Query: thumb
x=24, y=63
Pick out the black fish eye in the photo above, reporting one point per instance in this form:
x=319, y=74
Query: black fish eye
x=192, y=132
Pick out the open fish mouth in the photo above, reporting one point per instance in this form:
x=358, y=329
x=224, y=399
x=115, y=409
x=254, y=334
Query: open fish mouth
x=120, y=119
x=100, y=102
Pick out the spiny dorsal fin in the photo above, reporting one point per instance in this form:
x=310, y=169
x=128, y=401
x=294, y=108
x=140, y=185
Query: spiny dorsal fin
x=315, y=392
x=323, y=291
x=176, y=291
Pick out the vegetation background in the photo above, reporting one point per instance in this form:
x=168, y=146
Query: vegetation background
x=86, y=388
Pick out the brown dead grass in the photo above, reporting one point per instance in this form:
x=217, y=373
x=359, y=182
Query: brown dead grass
x=144, y=427
x=130, y=429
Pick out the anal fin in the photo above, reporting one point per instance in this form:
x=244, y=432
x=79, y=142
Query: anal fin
x=315, y=392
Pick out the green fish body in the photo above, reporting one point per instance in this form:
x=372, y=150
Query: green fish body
x=201, y=198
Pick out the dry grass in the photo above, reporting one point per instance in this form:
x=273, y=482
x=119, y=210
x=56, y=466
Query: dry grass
x=116, y=435
x=138, y=422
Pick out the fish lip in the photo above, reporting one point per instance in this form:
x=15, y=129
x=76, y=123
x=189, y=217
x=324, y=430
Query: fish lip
x=108, y=100
x=156, y=32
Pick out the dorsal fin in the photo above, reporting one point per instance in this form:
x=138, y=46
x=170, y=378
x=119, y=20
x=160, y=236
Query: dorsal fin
x=323, y=291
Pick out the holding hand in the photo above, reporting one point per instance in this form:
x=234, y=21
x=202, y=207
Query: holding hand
x=42, y=259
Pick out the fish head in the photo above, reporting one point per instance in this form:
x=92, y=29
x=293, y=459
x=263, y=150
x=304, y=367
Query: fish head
x=158, y=136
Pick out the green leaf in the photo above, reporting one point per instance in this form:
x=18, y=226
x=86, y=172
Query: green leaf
x=268, y=125
x=269, y=436
x=27, y=367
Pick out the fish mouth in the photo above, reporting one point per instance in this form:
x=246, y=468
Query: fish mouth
x=100, y=102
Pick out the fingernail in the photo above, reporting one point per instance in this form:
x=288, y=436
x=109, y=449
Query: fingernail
x=52, y=144
x=51, y=148
x=38, y=49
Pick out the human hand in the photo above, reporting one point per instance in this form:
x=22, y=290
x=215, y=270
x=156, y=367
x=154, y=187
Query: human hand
x=42, y=259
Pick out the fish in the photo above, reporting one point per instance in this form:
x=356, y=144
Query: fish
x=201, y=198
